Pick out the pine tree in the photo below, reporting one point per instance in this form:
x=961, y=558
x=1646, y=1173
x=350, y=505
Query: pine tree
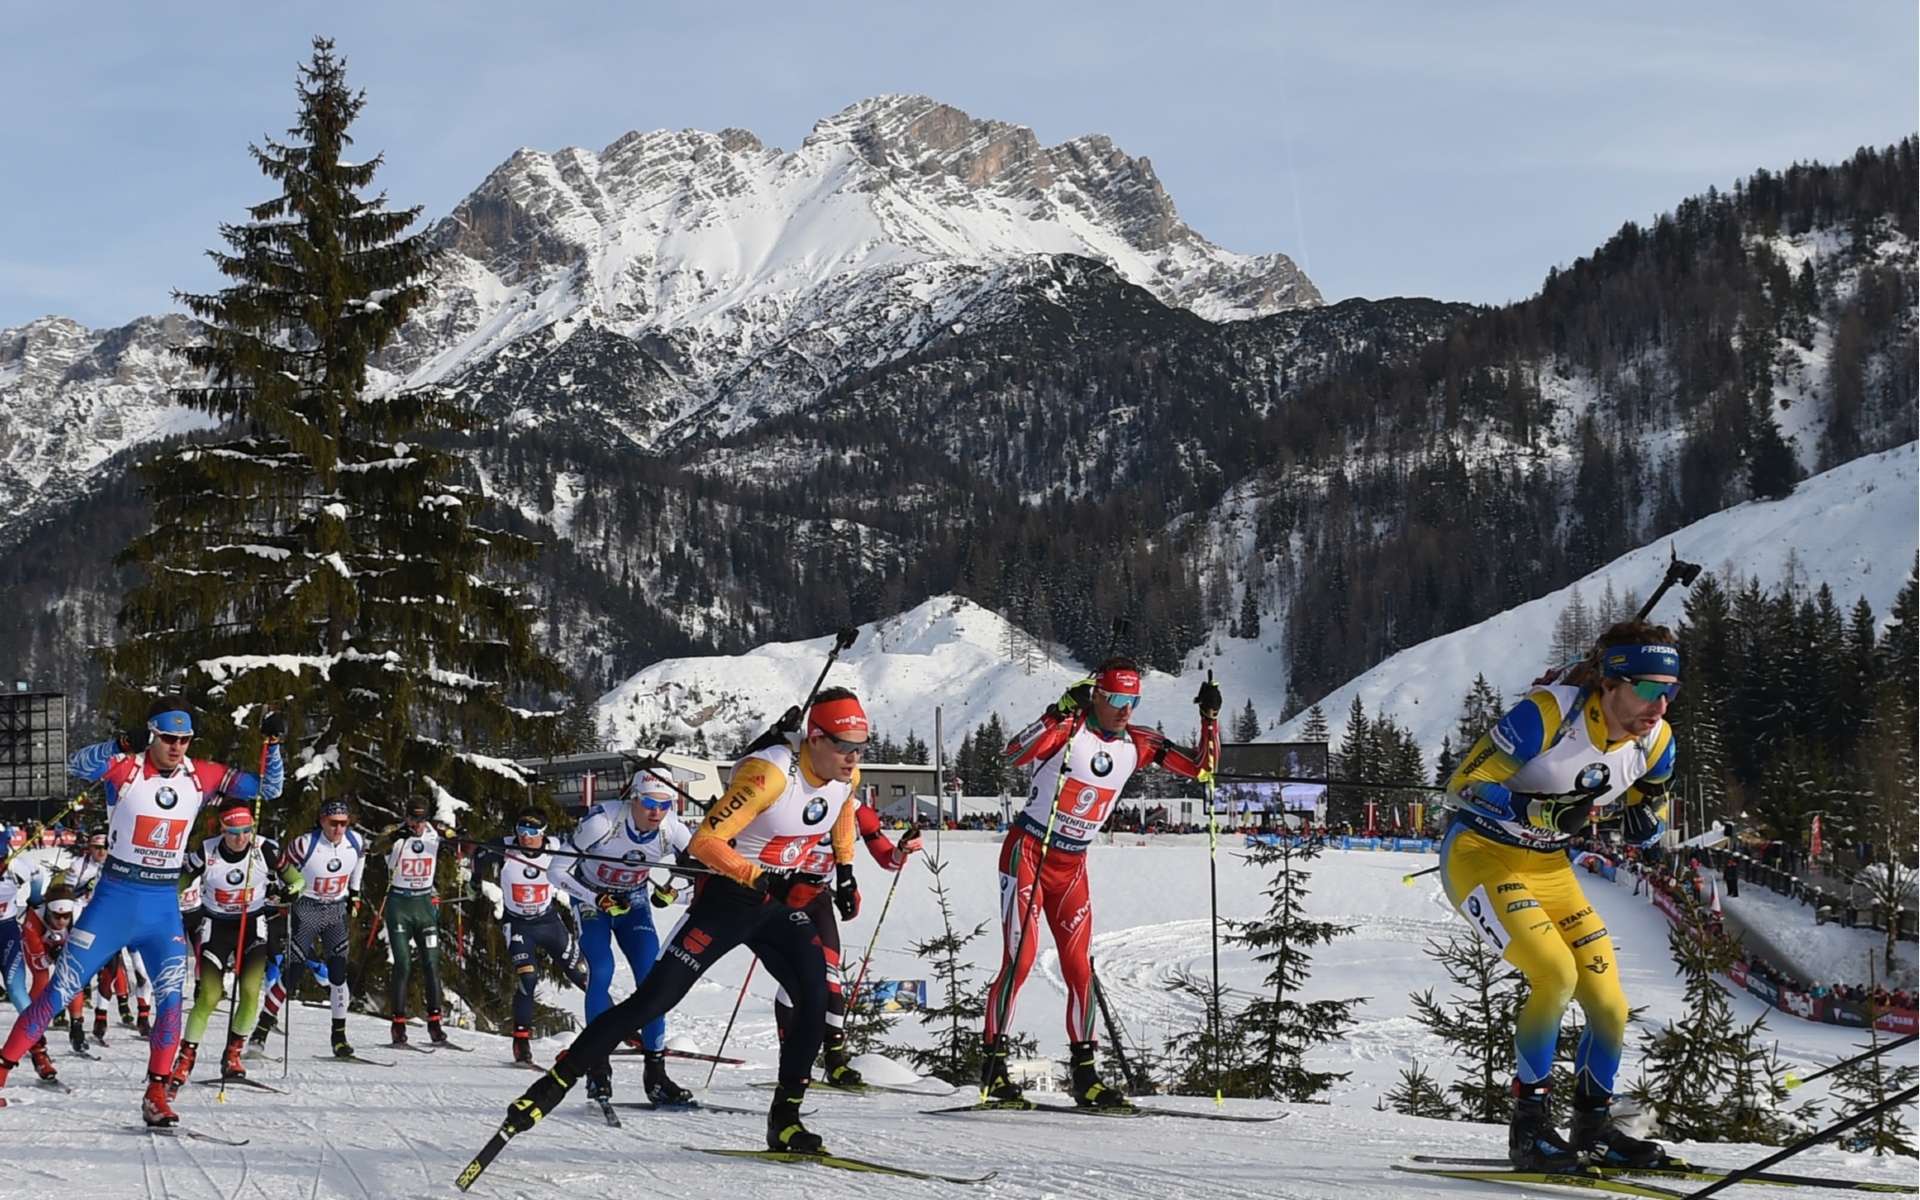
x=1263, y=1045
x=1351, y=761
x=1476, y=1024
x=1705, y=1077
x=325, y=557
x=1315, y=729
x=1249, y=623
x=914, y=750
x=1246, y=726
x=1480, y=710
x=956, y=1020
x=1869, y=1082
x=1772, y=472
x=1416, y=1095
x=1573, y=635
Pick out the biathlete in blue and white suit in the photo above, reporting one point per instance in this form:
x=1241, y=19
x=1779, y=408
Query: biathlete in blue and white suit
x=532, y=921
x=1596, y=747
x=621, y=843
x=154, y=794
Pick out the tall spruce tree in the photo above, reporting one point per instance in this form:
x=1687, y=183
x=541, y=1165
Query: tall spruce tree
x=319, y=554
x=1246, y=725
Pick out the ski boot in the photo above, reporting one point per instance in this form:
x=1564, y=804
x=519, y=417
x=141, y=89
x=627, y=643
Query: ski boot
x=660, y=1089
x=996, y=1086
x=1532, y=1142
x=230, y=1067
x=839, y=1063
x=100, y=1025
x=600, y=1083
x=435, y=1034
x=154, y=1109
x=341, y=1048
x=263, y=1030
x=126, y=1012
x=143, y=1023
x=182, y=1067
x=399, y=1037
x=1088, y=1091
x=784, y=1130
x=540, y=1099
x=1604, y=1144
x=523, y=1046
x=77, y=1034
x=6, y=1068
x=43, y=1062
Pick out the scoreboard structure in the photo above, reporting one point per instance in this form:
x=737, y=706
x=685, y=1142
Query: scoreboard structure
x=33, y=753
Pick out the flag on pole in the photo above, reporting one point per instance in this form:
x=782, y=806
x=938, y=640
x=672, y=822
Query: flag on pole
x=1713, y=903
x=1813, y=846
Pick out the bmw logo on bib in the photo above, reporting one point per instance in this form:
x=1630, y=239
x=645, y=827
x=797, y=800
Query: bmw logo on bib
x=166, y=797
x=530, y=872
x=1103, y=764
x=333, y=865
x=816, y=810
x=234, y=876
x=419, y=847
x=1594, y=777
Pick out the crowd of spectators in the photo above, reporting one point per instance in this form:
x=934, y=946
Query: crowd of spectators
x=1878, y=997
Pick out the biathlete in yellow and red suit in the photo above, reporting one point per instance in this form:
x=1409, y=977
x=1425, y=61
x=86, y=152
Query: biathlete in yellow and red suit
x=784, y=802
x=1087, y=751
x=1597, y=745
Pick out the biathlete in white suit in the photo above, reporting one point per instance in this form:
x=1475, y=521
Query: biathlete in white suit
x=530, y=918
x=154, y=794
x=331, y=859
x=1043, y=863
x=613, y=897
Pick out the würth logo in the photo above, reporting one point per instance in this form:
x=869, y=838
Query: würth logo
x=696, y=941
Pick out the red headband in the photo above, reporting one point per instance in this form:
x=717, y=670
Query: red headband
x=1119, y=681
x=837, y=718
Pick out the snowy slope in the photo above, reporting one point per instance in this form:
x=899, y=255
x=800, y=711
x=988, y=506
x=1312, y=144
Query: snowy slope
x=366, y=1132
x=1855, y=528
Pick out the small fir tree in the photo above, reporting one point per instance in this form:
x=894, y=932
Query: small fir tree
x=1416, y=1095
x=1869, y=1082
x=1476, y=1023
x=1706, y=1077
x=1262, y=1048
x=1315, y=729
x=955, y=1021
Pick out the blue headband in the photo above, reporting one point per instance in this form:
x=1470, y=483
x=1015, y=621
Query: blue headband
x=1624, y=661
x=171, y=722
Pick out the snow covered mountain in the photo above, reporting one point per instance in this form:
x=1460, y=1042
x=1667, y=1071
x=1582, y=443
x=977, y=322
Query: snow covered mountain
x=1855, y=528
x=711, y=280
x=681, y=283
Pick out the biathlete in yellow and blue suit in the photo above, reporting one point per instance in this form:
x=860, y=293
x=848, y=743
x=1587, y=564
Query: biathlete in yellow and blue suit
x=1596, y=745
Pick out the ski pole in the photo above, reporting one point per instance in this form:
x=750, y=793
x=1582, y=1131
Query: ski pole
x=1135, y=1079
x=751, y=964
x=43, y=826
x=1256, y=777
x=1864, y=1115
x=1213, y=906
x=1408, y=879
x=1793, y=1081
x=875, y=939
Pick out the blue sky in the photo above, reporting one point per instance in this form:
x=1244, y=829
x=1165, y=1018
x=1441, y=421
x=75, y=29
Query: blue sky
x=1449, y=150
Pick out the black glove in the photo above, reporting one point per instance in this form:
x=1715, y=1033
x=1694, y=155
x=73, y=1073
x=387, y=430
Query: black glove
x=1209, y=700
x=664, y=894
x=134, y=740
x=1558, y=814
x=775, y=884
x=1642, y=823
x=274, y=725
x=846, y=892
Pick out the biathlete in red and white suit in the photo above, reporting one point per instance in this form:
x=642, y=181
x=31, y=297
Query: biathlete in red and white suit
x=154, y=794
x=1086, y=735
